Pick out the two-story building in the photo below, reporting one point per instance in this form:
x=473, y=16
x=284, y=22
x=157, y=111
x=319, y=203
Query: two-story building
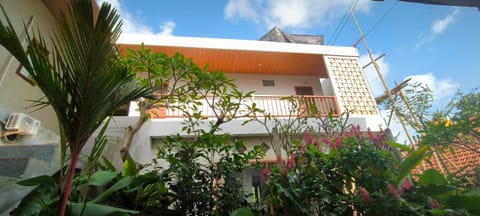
x=276, y=66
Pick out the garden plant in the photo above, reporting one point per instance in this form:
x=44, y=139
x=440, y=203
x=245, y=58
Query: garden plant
x=327, y=168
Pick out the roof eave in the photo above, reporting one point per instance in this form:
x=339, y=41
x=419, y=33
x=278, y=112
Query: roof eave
x=234, y=44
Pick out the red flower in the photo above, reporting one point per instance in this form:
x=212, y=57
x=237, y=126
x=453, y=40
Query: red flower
x=366, y=196
x=338, y=143
x=356, y=132
x=291, y=162
x=348, y=134
x=308, y=137
x=435, y=203
x=406, y=185
x=279, y=157
x=265, y=173
x=392, y=191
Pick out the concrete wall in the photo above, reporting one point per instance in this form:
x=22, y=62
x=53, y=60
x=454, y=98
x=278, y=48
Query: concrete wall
x=284, y=85
x=15, y=91
x=143, y=148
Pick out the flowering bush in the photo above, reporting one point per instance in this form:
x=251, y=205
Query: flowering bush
x=356, y=174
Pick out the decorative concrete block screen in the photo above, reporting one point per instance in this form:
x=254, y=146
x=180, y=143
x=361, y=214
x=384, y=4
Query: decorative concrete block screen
x=350, y=85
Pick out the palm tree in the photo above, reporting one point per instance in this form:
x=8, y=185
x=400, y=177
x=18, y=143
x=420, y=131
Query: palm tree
x=81, y=77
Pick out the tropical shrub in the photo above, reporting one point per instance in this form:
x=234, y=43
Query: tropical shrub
x=202, y=173
x=357, y=174
x=202, y=170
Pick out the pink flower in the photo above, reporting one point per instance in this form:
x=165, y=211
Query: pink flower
x=370, y=134
x=406, y=185
x=348, y=134
x=328, y=142
x=392, y=191
x=308, y=137
x=338, y=143
x=301, y=151
x=265, y=173
x=291, y=162
x=366, y=196
x=435, y=203
x=374, y=138
x=279, y=157
x=356, y=132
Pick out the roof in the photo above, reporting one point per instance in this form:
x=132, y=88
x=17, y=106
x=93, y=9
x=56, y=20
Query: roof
x=277, y=35
x=460, y=161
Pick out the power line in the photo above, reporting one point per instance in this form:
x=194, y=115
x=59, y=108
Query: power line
x=343, y=22
x=381, y=19
x=377, y=23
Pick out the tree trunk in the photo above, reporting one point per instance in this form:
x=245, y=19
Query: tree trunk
x=132, y=130
x=67, y=187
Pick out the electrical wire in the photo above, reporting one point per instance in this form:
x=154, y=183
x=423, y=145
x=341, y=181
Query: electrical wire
x=338, y=30
x=381, y=19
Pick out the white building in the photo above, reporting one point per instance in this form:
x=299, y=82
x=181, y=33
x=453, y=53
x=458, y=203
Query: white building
x=329, y=76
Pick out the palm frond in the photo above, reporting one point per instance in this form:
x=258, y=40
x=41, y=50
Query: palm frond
x=82, y=76
x=11, y=42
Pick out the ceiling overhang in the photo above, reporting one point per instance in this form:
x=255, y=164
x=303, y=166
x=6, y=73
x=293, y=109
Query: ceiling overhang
x=240, y=56
x=244, y=61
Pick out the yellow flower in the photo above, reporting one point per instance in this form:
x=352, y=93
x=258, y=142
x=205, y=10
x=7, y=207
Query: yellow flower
x=448, y=123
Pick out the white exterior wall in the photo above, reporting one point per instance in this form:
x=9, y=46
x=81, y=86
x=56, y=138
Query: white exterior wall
x=143, y=152
x=327, y=87
x=14, y=91
x=284, y=84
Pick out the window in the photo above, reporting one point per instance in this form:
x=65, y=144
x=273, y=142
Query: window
x=303, y=90
x=122, y=110
x=268, y=83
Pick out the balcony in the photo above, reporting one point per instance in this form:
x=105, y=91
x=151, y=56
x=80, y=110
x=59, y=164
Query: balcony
x=274, y=105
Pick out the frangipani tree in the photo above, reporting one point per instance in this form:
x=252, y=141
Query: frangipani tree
x=81, y=77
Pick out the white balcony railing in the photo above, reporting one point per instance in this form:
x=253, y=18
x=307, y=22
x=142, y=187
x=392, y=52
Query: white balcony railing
x=274, y=105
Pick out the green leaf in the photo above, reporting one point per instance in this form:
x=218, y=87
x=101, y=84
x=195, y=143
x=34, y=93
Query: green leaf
x=398, y=145
x=129, y=167
x=469, y=202
x=431, y=177
x=108, y=165
x=243, y=212
x=43, y=180
x=102, y=178
x=7, y=181
x=124, y=182
x=98, y=145
x=42, y=200
x=39, y=204
x=98, y=209
x=437, y=190
x=412, y=161
x=473, y=191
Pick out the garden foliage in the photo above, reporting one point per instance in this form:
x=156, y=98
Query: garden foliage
x=330, y=169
